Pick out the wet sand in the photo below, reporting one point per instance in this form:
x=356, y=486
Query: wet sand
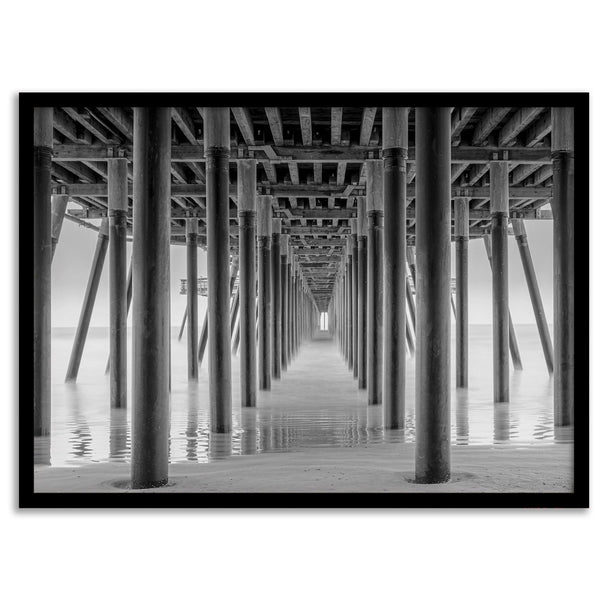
x=382, y=468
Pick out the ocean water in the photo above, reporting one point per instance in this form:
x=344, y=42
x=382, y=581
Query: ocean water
x=315, y=404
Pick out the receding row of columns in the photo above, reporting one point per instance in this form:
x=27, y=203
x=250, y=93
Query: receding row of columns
x=368, y=308
x=371, y=323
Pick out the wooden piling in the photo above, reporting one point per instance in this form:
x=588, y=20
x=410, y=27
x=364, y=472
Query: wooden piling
x=285, y=242
x=563, y=210
x=432, y=461
x=118, y=209
x=89, y=300
x=216, y=150
x=349, y=300
x=191, y=235
x=513, y=345
x=151, y=282
x=59, y=206
x=395, y=152
x=276, y=298
x=375, y=281
x=461, y=237
x=499, y=242
x=42, y=268
x=534, y=292
x=264, y=231
x=247, y=283
x=354, y=297
x=361, y=236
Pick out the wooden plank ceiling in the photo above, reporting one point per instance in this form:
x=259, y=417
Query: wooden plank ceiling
x=311, y=159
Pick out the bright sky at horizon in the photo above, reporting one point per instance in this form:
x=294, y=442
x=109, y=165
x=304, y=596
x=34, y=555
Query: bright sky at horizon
x=73, y=257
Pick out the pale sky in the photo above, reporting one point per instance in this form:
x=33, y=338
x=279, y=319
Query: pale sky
x=71, y=265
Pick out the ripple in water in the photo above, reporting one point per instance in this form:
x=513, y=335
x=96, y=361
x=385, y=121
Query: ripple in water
x=316, y=404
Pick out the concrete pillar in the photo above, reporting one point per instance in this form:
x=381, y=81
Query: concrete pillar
x=395, y=152
x=513, y=346
x=151, y=282
x=432, y=460
x=534, y=291
x=42, y=268
x=499, y=239
x=563, y=210
x=59, y=207
x=276, y=298
x=461, y=241
x=288, y=349
x=285, y=242
x=361, y=236
x=349, y=300
x=354, y=297
x=191, y=235
x=264, y=230
x=118, y=209
x=247, y=285
x=88, y=302
x=233, y=271
x=216, y=150
x=375, y=282
x=129, y=294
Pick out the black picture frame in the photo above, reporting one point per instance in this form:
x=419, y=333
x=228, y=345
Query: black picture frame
x=580, y=496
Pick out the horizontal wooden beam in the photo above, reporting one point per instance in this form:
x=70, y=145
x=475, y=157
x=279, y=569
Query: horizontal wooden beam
x=317, y=213
x=282, y=190
x=305, y=154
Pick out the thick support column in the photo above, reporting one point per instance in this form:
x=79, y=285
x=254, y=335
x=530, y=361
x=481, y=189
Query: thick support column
x=461, y=236
x=264, y=231
x=88, y=302
x=563, y=210
x=354, y=298
x=499, y=235
x=513, y=346
x=395, y=151
x=247, y=285
x=276, y=298
x=534, y=292
x=216, y=150
x=361, y=233
x=42, y=267
x=432, y=461
x=191, y=235
x=59, y=207
x=151, y=282
x=375, y=282
x=285, y=243
x=129, y=294
x=350, y=300
x=288, y=349
x=233, y=271
x=117, y=273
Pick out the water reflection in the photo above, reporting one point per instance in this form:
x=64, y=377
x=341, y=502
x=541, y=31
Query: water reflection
x=81, y=436
x=191, y=430
x=41, y=450
x=249, y=434
x=501, y=422
x=563, y=434
x=119, y=435
x=323, y=410
x=219, y=445
x=462, y=417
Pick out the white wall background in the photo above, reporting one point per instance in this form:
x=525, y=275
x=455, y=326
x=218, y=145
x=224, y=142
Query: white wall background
x=312, y=45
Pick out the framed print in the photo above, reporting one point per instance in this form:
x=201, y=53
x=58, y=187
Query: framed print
x=304, y=300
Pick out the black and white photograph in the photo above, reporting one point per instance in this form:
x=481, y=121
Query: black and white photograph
x=300, y=300
x=370, y=300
